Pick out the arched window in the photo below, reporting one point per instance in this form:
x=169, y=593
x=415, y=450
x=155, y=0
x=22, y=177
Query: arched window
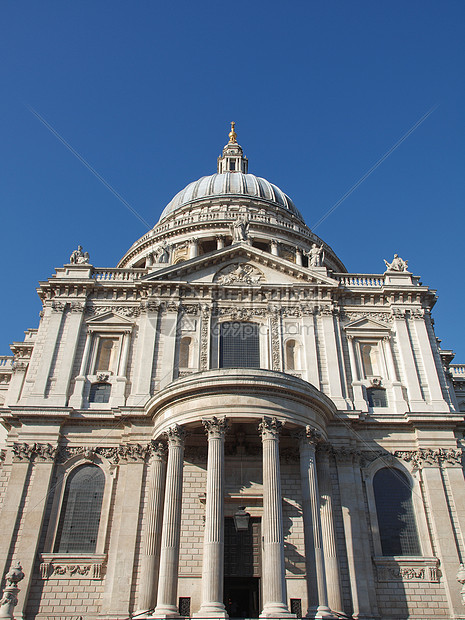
x=239, y=345
x=377, y=397
x=394, y=508
x=100, y=393
x=185, y=347
x=80, y=512
x=290, y=355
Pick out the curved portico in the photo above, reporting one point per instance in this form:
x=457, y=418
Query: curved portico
x=252, y=412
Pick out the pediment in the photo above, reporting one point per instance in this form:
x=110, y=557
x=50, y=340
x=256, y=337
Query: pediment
x=238, y=265
x=367, y=325
x=108, y=318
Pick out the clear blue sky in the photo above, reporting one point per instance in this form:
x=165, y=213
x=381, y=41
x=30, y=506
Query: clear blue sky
x=319, y=90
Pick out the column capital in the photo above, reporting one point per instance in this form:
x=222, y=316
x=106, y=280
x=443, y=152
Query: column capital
x=215, y=428
x=270, y=428
x=156, y=451
x=175, y=435
x=308, y=435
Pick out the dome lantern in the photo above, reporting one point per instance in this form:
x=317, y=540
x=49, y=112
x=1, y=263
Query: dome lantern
x=233, y=159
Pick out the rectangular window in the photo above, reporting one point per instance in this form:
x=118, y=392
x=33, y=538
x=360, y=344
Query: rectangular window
x=239, y=345
x=296, y=607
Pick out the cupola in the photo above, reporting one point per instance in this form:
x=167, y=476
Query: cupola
x=233, y=159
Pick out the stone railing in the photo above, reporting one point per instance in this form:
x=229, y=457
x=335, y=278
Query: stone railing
x=118, y=275
x=6, y=362
x=457, y=371
x=359, y=279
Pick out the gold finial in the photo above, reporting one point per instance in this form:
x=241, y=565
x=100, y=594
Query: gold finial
x=232, y=134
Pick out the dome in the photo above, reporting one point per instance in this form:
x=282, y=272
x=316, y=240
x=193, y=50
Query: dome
x=231, y=184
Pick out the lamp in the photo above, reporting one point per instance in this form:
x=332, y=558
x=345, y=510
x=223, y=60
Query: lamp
x=241, y=519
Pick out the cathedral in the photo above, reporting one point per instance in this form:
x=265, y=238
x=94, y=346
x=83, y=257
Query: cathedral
x=229, y=424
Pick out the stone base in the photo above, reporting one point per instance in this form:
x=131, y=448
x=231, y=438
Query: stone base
x=211, y=611
x=276, y=610
x=162, y=613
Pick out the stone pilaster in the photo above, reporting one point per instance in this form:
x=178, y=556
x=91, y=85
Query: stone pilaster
x=274, y=583
x=356, y=535
x=317, y=592
x=41, y=457
x=213, y=547
x=152, y=533
x=169, y=555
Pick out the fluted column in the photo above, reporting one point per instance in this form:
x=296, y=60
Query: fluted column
x=274, y=583
x=333, y=578
x=312, y=525
x=152, y=533
x=169, y=554
x=213, y=546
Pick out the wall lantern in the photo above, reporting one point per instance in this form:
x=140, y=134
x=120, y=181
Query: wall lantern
x=241, y=519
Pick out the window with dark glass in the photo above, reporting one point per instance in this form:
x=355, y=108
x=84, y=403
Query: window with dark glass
x=80, y=512
x=377, y=397
x=239, y=345
x=290, y=355
x=394, y=507
x=185, y=352
x=100, y=393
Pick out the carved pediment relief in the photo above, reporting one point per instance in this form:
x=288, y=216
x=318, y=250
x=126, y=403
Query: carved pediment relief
x=102, y=316
x=367, y=326
x=239, y=273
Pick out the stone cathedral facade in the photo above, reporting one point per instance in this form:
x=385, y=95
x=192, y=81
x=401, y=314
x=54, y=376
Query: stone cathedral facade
x=229, y=423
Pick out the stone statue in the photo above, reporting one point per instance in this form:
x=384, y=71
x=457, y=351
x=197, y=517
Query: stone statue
x=316, y=256
x=240, y=229
x=78, y=257
x=398, y=264
x=161, y=253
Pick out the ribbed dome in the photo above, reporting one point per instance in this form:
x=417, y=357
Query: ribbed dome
x=231, y=184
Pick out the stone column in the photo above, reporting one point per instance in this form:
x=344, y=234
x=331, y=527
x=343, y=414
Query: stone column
x=274, y=247
x=318, y=594
x=274, y=583
x=219, y=242
x=333, y=578
x=169, y=555
x=333, y=357
x=146, y=343
x=213, y=546
x=407, y=359
x=118, y=397
x=193, y=247
x=298, y=256
x=152, y=534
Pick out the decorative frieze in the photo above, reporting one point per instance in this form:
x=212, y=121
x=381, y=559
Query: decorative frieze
x=428, y=456
x=55, y=566
x=38, y=452
x=132, y=452
x=241, y=314
x=127, y=311
x=407, y=569
x=385, y=317
x=275, y=339
x=205, y=337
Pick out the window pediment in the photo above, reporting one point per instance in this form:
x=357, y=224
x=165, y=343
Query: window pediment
x=367, y=327
x=109, y=319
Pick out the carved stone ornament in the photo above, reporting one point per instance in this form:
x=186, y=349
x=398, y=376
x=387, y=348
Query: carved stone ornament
x=39, y=452
x=407, y=569
x=9, y=597
x=157, y=450
x=77, y=306
x=270, y=428
x=62, y=567
x=239, y=273
x=384, y=317
x=58, y=306
x=150, y=305
x=236, y=313
x=431, y=457
x=133, y=452
x=205, y=337
x=127, y=311
x=175, y=435
x=2, y=455
x=416, y=313
x=275, y=341
x=215, y=427
x=461, y=579
x=102, y=376
x=19, y=366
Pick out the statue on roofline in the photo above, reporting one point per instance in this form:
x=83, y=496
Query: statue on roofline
x=78, y=257
x=397, y=264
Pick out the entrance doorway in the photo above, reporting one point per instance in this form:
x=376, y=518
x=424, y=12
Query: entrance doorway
x=242, y=569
